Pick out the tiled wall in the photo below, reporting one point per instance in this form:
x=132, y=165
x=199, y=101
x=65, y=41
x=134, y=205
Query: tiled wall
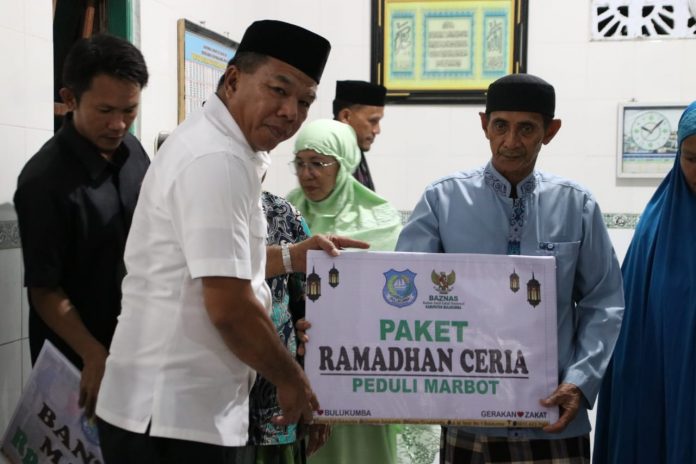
x=15, y=363
x=26, y=85
x=26, y=123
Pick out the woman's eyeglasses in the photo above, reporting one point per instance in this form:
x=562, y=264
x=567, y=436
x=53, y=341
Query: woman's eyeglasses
x=297, y=166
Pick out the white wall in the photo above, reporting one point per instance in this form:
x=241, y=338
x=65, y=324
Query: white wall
x=346, y=25
x=26, y=122
x=421, y=143
x=158, y=43
x=26, y=85
x=418, y=143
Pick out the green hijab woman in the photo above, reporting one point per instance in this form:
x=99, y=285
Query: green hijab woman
x=331, y=200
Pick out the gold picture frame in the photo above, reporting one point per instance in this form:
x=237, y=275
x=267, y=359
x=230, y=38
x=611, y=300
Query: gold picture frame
x=446, y=51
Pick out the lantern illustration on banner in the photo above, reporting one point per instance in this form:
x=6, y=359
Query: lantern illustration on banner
x=533, y=292
x=313, y=286
x=333, y=277
x=514, y=281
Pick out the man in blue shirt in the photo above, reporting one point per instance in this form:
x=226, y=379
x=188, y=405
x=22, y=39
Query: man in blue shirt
x=508, y=207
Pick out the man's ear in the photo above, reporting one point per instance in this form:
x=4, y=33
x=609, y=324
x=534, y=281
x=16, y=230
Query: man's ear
x=68, y=98
x=344, y=115
x=484, y=123
x=230, y=82
x=551, y=131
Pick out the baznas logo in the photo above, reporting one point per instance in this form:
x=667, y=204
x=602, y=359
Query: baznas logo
x=443, y=282
x=400, y=288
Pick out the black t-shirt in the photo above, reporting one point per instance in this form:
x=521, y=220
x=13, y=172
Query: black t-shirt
x=74, y=210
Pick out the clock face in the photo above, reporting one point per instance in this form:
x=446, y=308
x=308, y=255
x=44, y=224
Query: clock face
x=650, y=130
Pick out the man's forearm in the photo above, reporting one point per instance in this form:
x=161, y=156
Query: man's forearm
x=56, y=310
x=248, y=331
x=255, y=341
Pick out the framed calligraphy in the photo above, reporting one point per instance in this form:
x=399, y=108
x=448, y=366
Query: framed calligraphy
x=446, y=51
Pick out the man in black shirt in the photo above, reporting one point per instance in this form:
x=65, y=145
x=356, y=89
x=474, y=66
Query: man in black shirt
x=75, y=200
x=361, y=105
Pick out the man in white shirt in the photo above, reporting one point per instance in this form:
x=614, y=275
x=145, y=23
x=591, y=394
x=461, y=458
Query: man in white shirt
x=194, y=326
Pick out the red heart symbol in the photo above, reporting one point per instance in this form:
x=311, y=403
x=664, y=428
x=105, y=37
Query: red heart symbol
x=320, y=412
x=520, y=413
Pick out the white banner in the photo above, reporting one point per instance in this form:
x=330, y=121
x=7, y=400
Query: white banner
x=48, y=426
x=432, y=338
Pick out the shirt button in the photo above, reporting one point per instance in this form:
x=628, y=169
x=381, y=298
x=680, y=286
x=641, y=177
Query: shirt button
x=549, y=246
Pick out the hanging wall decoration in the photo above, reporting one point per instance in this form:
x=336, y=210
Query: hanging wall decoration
x=631, y=19
x=446, y=51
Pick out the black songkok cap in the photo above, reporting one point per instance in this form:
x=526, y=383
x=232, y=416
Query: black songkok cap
x=291, y=44
x=521, y=92
x=361, y=93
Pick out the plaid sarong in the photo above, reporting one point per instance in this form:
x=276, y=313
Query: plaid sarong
x=460, y=447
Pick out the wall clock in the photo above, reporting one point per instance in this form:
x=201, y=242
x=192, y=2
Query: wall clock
x=647, y=139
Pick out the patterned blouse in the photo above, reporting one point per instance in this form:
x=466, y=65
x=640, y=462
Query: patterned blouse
x=285, y=225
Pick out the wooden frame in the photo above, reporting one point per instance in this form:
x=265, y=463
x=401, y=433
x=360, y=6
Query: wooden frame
x=202, y=59
x=647, y=139
x=446, y=51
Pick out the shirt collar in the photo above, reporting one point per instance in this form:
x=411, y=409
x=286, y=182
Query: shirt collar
x=218, y=114
x=501, y=186
x=86, y=152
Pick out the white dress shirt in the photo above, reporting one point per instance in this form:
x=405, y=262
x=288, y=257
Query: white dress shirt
x=199, y=214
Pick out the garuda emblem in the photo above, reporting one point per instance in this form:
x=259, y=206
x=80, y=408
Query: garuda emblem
x=443, y=282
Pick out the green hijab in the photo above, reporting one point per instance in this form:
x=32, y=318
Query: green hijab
x=351, y=209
